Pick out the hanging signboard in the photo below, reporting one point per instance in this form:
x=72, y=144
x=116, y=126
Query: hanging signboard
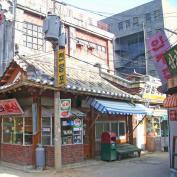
x=10, y=107
x=65, y=111
x=61, y=68
x=157, y=46
x=171, y=59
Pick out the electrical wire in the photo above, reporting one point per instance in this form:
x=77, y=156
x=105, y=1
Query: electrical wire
x=36, y=56
x=101, y=14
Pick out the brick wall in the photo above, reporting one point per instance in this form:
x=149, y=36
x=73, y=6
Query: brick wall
x=16, y=154
x=22, y=155
x=70, y=154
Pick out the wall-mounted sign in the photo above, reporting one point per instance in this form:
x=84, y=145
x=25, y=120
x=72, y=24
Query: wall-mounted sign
x=10, y=107
x=173, y=115
x=171, y=59
x=156, y=98
x=65, y=108
x=157, y=46
x=61, y=68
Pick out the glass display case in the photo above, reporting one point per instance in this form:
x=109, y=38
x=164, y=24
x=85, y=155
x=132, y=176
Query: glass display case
x=72, y=131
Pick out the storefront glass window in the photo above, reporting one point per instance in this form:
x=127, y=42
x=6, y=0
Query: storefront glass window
x=17, y=130
x=153, y=126
x=114, y=127
x=121, y=128
x=99, y=129
x=28, y=130
x=164, y=128
x=47, y=130
x=13, y=130
x=117, y=127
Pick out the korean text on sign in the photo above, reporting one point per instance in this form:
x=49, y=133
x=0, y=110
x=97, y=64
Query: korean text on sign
x=171, y=59
x=61, y=68
x=157, y=46
x=10, y=107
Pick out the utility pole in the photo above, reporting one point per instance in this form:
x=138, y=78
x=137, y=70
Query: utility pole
x=57, y=104
x=52, y=28
x=145, y=51
x=57, y=121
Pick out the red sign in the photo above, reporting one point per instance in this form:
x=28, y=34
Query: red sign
x=10, y=107
x=65, y=108
x=173, y=115
x=1, y=17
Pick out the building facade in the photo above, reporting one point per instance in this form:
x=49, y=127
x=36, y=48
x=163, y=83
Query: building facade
x=150, y=132
x=85, y=40
x=27, y=89
x=132, y=29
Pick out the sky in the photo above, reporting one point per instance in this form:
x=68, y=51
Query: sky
x=110, y=6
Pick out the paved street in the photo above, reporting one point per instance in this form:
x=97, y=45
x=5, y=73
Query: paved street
x=149, y=165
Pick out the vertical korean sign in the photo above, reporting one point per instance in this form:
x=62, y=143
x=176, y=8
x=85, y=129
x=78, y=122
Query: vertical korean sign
x=61, y=68
x=171, y=59
x=157, y=46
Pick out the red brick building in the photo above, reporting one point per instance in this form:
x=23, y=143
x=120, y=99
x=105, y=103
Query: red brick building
x=29, y=79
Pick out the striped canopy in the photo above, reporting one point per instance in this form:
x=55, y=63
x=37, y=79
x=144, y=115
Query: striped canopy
x=118, y=107
x=170, y=101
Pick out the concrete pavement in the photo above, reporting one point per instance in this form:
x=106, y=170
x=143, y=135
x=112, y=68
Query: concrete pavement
x=148, y=165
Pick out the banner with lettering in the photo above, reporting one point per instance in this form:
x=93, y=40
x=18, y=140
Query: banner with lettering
x=157, y=46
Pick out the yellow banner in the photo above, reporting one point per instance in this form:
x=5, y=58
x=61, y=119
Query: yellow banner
x=61, y=68
x=154, y=97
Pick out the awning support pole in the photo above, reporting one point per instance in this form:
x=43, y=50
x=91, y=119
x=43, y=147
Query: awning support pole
x=137, y=126
x=138, y=123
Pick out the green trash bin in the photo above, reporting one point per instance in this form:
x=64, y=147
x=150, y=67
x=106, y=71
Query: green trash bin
x=108, y=146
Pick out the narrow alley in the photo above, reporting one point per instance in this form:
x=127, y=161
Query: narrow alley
x=149, y=165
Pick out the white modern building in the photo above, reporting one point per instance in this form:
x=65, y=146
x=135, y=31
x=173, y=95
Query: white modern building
x=133, y=27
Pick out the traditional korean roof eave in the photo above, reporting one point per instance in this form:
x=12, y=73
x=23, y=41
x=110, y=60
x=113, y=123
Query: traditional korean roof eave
x=14, y=86
x=9, y=87
x=73, y=86
x=96, y=94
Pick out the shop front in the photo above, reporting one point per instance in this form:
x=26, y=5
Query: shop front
x=16, y=133
x=114, y=116
x=157, y=130
x=20, y=127
x=71, y=131
x=171, y=103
